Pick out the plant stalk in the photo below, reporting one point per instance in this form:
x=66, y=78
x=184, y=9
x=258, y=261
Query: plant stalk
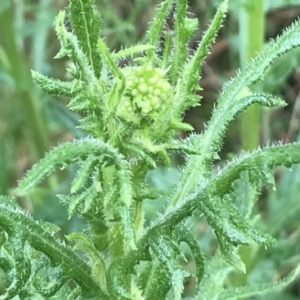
x=24, y=86
x=251, y=30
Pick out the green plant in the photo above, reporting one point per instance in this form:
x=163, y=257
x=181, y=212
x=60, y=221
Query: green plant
x=19, y=77
x=251, y=27
x=132, y=116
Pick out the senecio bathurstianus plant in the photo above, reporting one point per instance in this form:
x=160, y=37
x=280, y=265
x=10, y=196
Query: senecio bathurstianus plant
x=132, y=116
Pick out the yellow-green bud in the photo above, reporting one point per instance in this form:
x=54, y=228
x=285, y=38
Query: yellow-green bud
x=147, y=91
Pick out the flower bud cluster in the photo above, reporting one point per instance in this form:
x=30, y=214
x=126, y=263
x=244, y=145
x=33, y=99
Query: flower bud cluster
x=147, y=91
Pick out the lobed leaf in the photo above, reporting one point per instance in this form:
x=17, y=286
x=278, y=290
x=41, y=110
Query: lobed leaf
x=67, y=154
x=85, y=21
x=116, y=275
x=209, y=142
x=181, y=38
x=39, y=239
x=262, y=289
x=166, y=252
x=190, y=73
x=184, y=235
x=155, y=28
x=83, y=173
x=22, y=266
x=80, y=202
x=57, y=279
x=53, y=86
x=131, y=51
x=217, y=271
x=220, y=186
x=98, y=266
x=272, y=156
x=71, y=48
x=233, y=92
x=158, y=283
x=128, y=234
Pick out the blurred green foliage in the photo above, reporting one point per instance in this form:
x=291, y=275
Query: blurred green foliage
x=30, y=122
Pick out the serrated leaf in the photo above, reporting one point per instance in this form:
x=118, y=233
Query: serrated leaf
x=139, y=153
x=80, y=202
x=116, y=275
x=131, y=51
x=39, y=239
x=55, y=280
x=83, y=173
x=22, y=266
x=217, y=271
x=276, y=155
x=53, y=86
x=125, y=188
x=181, y=37
x=127, y=229
x=67, y=154
x=155, y=28
x=98, y=267
x=157, y=284
x=210, y=141
x=265, y=176
x=190, y=74
x=230, y=253
x=263, y=289
x=229, y=226
x=184, y=235
x=71, y=48
x=166, y=253
x=86, y=24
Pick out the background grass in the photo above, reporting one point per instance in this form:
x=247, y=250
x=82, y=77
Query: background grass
x=31, y=122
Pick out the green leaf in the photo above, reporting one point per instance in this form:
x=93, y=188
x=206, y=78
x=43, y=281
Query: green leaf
x=22, y=266
x=81, y=202
x=138, y=151
x=131, y=51
x=181, y=38
x=83, y=173
x=15, y=220
x=232, y=94
x=272, y=156
x=128, y=235
x=184, y=235
x=262, y=289
x=217, y=271
x=190, y=73
x=83, y=242
x=231, y=229
x=230, y=253
x=53, y=86
x=109, y=59
x=67, y=154
x=125, y=187
x=166, y=253
x=157, y=282
x=155, y=28
x=117, y=273
x=116, y=91
x=224, y=113
x=85, y=21
x=236, y=231
x=71, y=48
x=208, y=142
x=54, y=281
